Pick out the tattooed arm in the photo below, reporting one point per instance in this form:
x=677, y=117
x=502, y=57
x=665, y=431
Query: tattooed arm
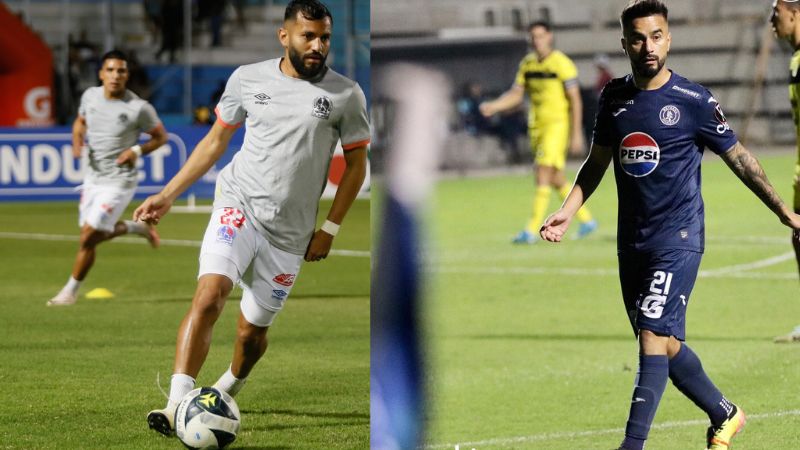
x=748, y=169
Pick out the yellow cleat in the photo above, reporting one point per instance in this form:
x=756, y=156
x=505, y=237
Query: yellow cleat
x=719, y=438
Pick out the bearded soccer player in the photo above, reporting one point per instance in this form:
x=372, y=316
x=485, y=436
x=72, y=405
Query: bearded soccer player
x=654, y=125
x=295, y=109
x=554, y=122
x=111, y=118
x=786, y=23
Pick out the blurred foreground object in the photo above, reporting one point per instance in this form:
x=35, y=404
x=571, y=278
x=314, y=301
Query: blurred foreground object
x=421, y=98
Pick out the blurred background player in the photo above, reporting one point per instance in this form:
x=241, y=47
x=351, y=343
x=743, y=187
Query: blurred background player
x=296, y=110
x=554, y=122
x=786, y=23
x=110, y=119
x=654, y=125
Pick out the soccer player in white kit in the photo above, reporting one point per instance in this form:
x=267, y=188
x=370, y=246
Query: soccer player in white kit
x=295, y=109
x=111, y=118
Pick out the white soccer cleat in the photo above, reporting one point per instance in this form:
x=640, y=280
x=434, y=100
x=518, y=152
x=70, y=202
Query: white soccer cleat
x=63, y=299
x=162, y=420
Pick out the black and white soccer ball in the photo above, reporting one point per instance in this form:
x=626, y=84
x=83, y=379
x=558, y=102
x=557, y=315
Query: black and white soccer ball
x=207, y=418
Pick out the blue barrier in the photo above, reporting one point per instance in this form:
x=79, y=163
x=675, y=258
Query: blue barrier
x=37, y=164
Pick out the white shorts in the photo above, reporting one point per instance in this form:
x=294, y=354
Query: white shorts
x=101, y=206
x=234, y=248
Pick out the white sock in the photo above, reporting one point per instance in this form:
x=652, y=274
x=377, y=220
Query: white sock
x=72, y=286
x=136, y=227
x=180, y=384
x=229, y=383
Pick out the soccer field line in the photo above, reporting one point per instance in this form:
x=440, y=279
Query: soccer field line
x=766, y=262
x=507, y=441
x=133, y=240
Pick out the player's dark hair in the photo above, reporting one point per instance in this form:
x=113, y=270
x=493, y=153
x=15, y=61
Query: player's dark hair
x=637, y=9
x=310, y=9
x=114, y=54
x=540, y=23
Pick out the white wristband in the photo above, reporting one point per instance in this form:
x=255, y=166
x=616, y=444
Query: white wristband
x=137, y=149
x=330, y=228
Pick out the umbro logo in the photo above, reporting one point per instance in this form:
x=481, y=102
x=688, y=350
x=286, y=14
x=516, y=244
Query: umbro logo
x=262, y=99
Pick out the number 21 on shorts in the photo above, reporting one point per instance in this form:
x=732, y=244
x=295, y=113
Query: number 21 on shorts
x=652, y=306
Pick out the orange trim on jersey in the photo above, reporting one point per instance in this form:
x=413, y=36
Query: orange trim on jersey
x=223, y=123
x=355, y=145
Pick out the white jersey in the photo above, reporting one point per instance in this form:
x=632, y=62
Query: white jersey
x=114, y=125
x=292, y=127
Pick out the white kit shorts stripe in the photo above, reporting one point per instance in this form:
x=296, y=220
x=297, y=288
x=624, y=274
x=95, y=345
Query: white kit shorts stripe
x=234, y=248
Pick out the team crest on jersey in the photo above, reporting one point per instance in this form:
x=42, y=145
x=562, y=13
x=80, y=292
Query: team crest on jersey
x=122, y=118
x=639, y=154
x=226, y=234
x=669, y=115
x=322, y=107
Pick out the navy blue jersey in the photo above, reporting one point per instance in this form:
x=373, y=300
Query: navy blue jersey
x=657, y=138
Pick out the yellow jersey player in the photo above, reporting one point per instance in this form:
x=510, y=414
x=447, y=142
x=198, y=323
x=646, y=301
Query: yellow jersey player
x=550, y=79
x=786, y=23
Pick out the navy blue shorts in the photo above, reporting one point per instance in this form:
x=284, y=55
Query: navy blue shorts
x=656, y=287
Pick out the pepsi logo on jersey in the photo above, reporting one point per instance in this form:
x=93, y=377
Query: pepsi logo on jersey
x=639, y=154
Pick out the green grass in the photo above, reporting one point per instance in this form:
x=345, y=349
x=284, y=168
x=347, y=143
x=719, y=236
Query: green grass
x=530, y=348
x=84, y=377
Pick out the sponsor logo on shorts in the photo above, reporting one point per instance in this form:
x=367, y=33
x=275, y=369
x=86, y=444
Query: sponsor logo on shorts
x=107, y=208
x=669, y=115
x=284, y=279
x=639, y=154
x=226, y=234
x=233, y=217
x=279, y=294
x=322, y=107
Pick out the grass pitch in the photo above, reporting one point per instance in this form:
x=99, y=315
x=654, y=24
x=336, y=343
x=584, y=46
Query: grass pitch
x=530, y=347
x=84, y=377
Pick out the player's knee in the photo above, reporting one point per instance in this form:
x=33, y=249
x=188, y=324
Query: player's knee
x=252, y=338
x=90, y=237
x=210, y=296
x=652, y=344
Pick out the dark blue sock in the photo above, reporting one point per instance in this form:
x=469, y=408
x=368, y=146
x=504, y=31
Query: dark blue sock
x=687, y=374
x=650, y=383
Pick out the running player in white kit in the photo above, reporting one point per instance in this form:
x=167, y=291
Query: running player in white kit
x=295, y=109
x=111, y=118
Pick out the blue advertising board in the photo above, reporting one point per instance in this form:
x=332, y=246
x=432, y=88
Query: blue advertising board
x=37, y=164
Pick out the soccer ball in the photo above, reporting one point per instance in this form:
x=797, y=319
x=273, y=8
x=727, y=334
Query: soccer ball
x=207, y=418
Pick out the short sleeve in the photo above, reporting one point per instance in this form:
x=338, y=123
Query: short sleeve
x=602, y=133
x=568, y=72
x=84, y=105
x=148, y=118
x=230, y=110
x=714, y=131
x=354, y=124
x=519, y=80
